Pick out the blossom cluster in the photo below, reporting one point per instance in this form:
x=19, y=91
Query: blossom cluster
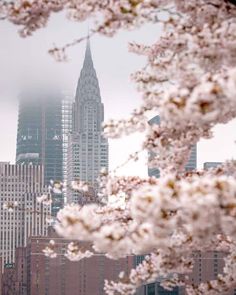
x=168, y=217
x=74, y=252
x=49, y=250
x=190, y=81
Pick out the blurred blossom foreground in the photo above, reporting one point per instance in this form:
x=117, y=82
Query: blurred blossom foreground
x=190, y=81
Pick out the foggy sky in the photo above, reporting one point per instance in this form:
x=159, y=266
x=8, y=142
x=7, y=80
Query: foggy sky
x=24, y=62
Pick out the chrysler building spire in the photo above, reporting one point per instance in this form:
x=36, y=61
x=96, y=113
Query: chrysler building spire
x=87, y=94
x=88, y=149
x=88, y=87
x=88, y=61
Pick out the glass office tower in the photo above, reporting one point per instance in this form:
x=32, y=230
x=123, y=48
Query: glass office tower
x=40, y=135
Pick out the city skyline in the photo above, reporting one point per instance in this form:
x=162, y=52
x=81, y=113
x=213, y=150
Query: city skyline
x=114, y=64
x=167, y=228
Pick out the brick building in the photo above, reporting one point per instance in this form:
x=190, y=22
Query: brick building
x=8, y=280
x=14, y=279
x=60, y=276
x=207, y=266
x=35, y=274
x=0, y=277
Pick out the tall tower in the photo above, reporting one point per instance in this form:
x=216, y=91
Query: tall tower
x=40, y=135
x=67, y=105
x=88, y=149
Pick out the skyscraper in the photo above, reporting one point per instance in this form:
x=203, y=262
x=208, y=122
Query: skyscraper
x=20, y=185
x=39, y=133
x=67, y=104
x=42, y=119
x=88, y=149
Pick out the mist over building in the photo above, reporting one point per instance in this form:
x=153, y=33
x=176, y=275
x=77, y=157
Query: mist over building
x=39, y=132
x=44, y=122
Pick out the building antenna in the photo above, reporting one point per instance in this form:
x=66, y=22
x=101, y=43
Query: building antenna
x=88, y=31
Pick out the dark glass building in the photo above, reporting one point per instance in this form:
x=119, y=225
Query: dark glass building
x=39, y=135
x=156, y=289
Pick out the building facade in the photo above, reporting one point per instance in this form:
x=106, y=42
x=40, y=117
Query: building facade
x=39, y=133
x=1, y=277
x=87, y=149
x=67, y=105
x=44, y=118
x=192, y=161
x=59, y=276
x=14, y=277
x=21, y=215
x=207, y=266
x=208, y=165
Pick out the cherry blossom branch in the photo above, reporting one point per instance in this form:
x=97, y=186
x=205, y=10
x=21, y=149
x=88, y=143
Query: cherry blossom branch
x=190, y=81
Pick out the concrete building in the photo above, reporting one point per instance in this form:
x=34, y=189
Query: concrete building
x=192, y=161
x=88, y=149
x=20, y=185
x=208, y=165
x=67, y=105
